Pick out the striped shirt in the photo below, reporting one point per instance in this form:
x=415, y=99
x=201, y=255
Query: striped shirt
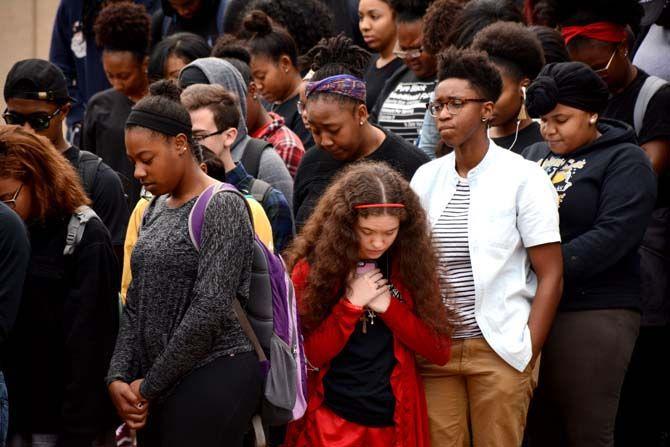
x=450, y=236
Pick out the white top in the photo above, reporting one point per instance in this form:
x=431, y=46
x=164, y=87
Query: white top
x=450, y=236
x=513, y=205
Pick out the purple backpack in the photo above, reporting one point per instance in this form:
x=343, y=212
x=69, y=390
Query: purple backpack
x=270, y=321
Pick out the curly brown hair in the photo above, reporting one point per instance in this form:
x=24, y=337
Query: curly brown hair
x=31, y=159
x=124, y=26
x=329, y=244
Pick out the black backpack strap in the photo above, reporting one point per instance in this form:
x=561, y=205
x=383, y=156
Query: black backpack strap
x=251, y=157
x=87, y=168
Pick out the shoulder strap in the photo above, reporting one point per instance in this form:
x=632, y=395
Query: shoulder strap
x=165, y=27
x=196, y=218
x=76, y=227
x=259, y=190
x=87, y=168
x=251, y=158
x=248, y=330
x=195, y=222
x=651, y=85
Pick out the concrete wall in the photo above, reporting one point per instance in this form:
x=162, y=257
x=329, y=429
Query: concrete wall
x=25, y=32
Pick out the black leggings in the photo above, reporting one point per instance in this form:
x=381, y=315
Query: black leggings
x=211, y=407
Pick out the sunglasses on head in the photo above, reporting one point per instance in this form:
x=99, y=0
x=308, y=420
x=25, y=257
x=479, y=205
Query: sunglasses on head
x=38, y=121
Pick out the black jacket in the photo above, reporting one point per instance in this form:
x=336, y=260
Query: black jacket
x=166, y=21
x=607, y=191
x=58, y=353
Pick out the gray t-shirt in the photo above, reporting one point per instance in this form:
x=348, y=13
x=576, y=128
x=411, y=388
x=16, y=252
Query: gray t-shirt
x=178, y=315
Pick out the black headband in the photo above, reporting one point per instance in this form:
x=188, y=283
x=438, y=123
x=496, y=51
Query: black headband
x=159, y=123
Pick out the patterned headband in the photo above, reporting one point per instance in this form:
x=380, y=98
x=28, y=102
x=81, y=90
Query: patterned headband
x=345, y=85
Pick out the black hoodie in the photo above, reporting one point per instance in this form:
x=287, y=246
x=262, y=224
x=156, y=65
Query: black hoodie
x=166, y=21
x=607, y=191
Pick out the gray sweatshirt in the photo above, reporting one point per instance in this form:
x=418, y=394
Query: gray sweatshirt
x=178, y=314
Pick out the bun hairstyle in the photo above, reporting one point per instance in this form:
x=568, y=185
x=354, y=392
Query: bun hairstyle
x=266, y=39
x=164, y=101
x=573, y=84
x=306, y=21
x=407, y=11
x=513, y=46
x=473, y=66
x=124, y=26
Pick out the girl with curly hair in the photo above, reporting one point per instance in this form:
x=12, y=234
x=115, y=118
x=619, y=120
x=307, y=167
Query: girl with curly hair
x=56, y=356
x=368, y=298
x=122, y=31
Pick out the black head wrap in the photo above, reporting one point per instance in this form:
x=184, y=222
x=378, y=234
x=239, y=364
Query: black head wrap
x=572, y=84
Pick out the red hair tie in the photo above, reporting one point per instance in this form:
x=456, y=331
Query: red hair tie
x=602, y=31
x=378, y=205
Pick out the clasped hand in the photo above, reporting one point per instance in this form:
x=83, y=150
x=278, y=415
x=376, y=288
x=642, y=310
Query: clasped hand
x=130, y=405
x=369, y=290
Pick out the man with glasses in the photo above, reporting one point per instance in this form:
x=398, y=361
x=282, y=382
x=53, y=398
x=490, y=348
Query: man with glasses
x=14, y=255
x=37, y=99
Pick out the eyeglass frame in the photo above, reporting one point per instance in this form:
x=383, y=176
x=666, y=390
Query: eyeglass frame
x=409, y=54
x=435, y=113
x=12, y=202
x=49, y=117
x=300, y=106
x=606, y=68
x=199, y=138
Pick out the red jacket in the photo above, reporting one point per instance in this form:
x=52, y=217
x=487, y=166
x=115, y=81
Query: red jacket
x=410, y=335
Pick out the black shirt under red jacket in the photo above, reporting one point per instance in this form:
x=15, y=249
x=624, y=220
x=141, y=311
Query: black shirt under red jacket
x=59, y=350
x=410, y=336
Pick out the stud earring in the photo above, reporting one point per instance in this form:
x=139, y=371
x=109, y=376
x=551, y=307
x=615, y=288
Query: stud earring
x=484, y=120
x=360, y=123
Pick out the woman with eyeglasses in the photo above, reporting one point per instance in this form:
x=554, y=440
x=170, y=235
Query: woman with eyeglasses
x=402, y=103
x=494, y=223
x=338, y=119
x=56, y=357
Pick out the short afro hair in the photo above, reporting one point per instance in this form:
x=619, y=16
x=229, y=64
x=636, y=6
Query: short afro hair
x=473, y=66
x=228, y=46
x=437, y=24
x=407, y=11
x=513, y=47
x=477, y=15
x=124, y=26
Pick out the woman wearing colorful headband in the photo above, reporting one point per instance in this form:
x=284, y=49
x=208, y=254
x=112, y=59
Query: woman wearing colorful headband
x=183, y=372
x=606, y=190
x=368, y=297
x=338, y=120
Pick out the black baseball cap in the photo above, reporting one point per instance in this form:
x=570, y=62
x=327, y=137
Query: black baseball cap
x=37, y=79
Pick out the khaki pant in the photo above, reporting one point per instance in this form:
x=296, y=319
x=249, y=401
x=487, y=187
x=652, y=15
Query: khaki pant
x=476, y=399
